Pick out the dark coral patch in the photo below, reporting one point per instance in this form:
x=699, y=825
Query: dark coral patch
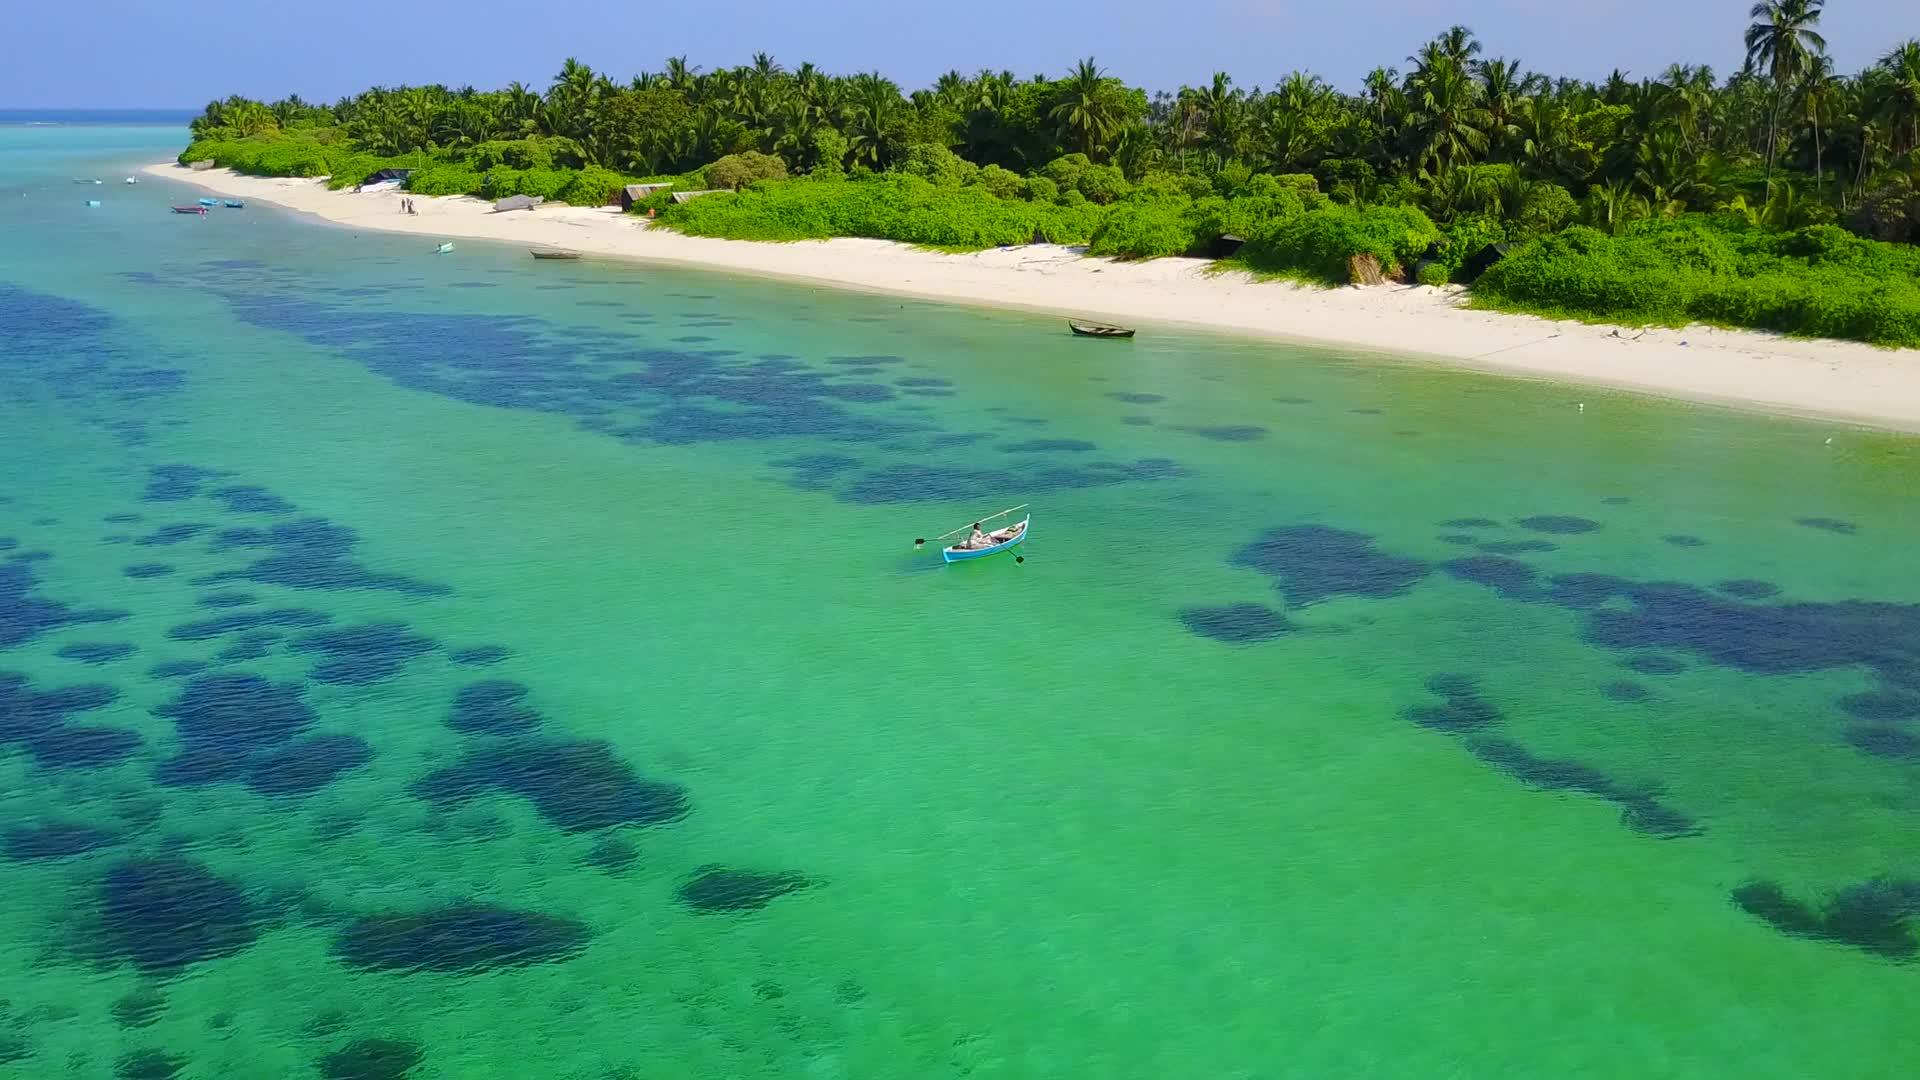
x=147, y=570
x=27, y=715
x=311, y=553
x=1656, y=664
x=139, y=1007
x=1640, y=811
x=121, y=519
x=1874, y=916
x=166, y=914
x=175, y=483
x=716, y=889
x=576, y=786
x=372, y=1059
x=367, y=653
x=1137, y=398
x=1228, y=432
x=1048, y=446
x=480, y=655
x=1749, y=589
x=148, y=1064
x=237, y=712
x=93, y=746
x=1470, y=523
x=1683, y=540
x=1559, y=524
x=173, y=669
x=1827, y=524
x=1616, y=500
x=97, y=652
x=922, y=381
x=1626, y=691
x=1240, y=624
x=1464, y=710
x=1881, y=706
x=494, y=707
x=1884, y=741
x=24, y=616
x=1518, y=547
x=1510, y=578
x=56, y=840
x=251, y=645
x=304, y=766
x=463, y=939
x=168, y=535
x=615, y=854
x=247, y=499
x=1312, y=563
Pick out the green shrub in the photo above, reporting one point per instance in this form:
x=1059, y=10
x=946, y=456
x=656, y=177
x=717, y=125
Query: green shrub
x=539, y=152
x=736, y=171
x=1101, y=184
x=1247, y=215
x=1547, y=209
x=999, y=182
x=1819, y=281
x=1433, y=273
x=1467, y=236
x=938, y=165
x=1319, y=244
x=892, y=206
x=592, y=186
x=1041, y=189
x=1146, y=229
x=545, y=183
x=447, y=179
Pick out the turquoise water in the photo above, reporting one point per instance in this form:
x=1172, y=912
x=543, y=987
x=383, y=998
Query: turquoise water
x=574, y=704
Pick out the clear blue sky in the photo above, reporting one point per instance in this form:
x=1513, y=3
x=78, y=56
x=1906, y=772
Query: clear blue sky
x=135, y=53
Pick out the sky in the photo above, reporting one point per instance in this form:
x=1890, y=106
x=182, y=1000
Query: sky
x=143, y=53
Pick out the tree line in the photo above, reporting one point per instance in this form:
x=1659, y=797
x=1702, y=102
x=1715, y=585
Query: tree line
x=1785, y=127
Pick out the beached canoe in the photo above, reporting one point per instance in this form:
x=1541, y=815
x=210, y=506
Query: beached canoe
x=953, y=554
x=208, y=202
x=235, y=204
x=553, y=253
x=444, y=249
x=1097, y=330
x=201, y=210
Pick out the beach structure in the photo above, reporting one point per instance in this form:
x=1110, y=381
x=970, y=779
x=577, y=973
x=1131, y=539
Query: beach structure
x=518, y=202
x=634, y=193
x=397, y=176
x=689, y=196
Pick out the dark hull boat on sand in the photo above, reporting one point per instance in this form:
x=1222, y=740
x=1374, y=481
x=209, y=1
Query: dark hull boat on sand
x=1081, y=329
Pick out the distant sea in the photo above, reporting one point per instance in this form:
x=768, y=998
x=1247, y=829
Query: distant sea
x=70, y=117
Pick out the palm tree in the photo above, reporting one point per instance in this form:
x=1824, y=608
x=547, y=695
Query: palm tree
x=1900, y=94
x=871, y=113
x=1502, y=87
x=1819, y=97
x=1086, y=109
x=1447, y=115
x=1781, y=40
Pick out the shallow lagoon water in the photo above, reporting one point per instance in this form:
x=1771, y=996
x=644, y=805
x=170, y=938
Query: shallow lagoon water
x=437, y=666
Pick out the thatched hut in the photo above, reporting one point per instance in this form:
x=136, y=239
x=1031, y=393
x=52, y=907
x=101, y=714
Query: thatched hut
x=689, y=196
x=634, y=193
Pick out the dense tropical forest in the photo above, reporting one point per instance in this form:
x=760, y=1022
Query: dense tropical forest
x=1784, y=196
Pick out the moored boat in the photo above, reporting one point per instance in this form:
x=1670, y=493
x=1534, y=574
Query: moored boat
x=85, y=180
x=208, y=202
x=1081, y=329
x=201, y=210
x=234, y=204
x=553, y=253
x=444, y=248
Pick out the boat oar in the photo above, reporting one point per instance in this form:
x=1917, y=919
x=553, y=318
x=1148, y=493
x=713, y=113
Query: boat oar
x=920, y=540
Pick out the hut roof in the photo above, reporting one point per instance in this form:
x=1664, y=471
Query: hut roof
x=641, y=191
x=689, y=196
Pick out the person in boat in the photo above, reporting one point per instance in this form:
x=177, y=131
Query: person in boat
x=978, y=539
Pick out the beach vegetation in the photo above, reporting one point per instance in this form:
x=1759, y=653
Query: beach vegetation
x=1410, y=175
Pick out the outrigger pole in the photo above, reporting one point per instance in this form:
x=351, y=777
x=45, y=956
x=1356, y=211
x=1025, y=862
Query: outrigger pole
x=919, y=540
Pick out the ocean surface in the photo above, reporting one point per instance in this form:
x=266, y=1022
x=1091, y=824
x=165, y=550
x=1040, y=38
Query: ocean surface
x=471, y=666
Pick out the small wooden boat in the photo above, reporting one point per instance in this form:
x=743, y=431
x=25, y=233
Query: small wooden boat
x=553, y=253
x=80, y=180
x=93, y=202
x=1014, y=534
x=1097, y=330
x=201, y=210
x=444, y=249
x=1003, y=538
x=234, y=204
x=208, y=202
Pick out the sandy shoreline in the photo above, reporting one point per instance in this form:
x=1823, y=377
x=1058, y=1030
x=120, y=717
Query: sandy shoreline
x=1743, y=369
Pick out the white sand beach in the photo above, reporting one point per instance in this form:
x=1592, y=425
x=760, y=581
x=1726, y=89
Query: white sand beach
x=1744, y=369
